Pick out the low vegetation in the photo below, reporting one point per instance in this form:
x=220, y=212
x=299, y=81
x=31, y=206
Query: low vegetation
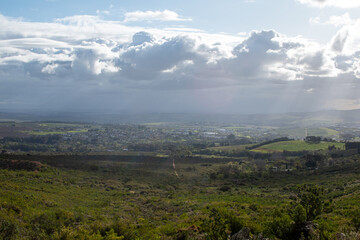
x=81, y=185
x=107, y=197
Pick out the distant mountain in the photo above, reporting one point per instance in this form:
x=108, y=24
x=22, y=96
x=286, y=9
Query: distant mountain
x=304, y=119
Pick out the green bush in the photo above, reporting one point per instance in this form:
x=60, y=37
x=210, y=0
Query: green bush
x=118, y=227
x=220, y=224
x=312, y=199
x=45, y=224
x=299, y=215
x=324, y=229
x=280, y=226
x=356, y=220
x=8, y=227
x=68, y=233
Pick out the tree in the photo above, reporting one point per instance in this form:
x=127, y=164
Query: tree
x=312, y=160
x=312, y=139
x=312, y=200
x=231, y=137
x=299, y=215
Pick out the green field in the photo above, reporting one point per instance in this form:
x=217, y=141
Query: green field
x=297, y=146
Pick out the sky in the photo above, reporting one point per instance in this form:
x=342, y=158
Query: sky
x=231, y=56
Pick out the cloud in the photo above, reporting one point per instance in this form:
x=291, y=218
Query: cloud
x=347, y=39
x=37, y=45
x=147, y=60
x=331, y=3
x=91, y=61
x=337, y=21
x=141, y=37
x=165, y=15
x=253, y=55
x=85, y=62
x=339, y=40
x=105, y=12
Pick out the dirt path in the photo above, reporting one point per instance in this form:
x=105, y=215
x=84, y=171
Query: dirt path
x=174, y=167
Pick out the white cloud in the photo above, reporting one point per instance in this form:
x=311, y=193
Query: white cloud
x=105, y=12
x=337, y=21
x=331, y=3
x=165, y=15
x=33, y=43
x=50, y=68
x=347, y=39
x=97, y=62
x=310, y=90
x=145, y=56
x=339, y=40
x=357, y=69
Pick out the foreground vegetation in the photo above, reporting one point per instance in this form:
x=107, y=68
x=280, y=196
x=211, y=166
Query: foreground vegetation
x=112, y=197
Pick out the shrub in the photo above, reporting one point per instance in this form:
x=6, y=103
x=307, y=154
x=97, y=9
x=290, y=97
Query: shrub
x=45, y=224
x=324, y=229
x=225, y=188
x=312, y=199
x=280, y=226
x=299, y=215
x=254, y=207
x=220, y=224
x=84, y=234
x=8, y=227
x=356, y=220
x=118, y=227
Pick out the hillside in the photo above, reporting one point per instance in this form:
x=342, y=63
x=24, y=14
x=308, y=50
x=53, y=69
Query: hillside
x=294, y=146
x=106, y=197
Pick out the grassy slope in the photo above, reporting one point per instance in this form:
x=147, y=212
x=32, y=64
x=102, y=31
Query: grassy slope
x=151, y=197
x=296, y=146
